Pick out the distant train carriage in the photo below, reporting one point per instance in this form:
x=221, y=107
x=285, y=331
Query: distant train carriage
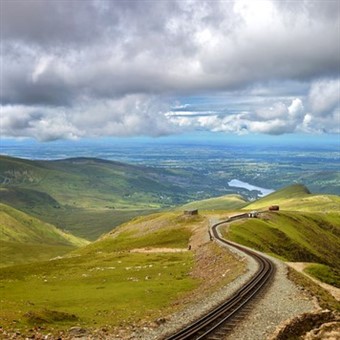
x=274, y=208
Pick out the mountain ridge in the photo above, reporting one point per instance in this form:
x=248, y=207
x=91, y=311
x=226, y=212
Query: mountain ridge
x=297, y=197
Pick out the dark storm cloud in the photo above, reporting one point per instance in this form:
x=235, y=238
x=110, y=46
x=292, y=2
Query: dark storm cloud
x=49, y=23
x=71, y=54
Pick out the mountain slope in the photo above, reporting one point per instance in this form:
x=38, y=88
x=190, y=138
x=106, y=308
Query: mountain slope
x=24, y=238
x=292, y=236
x=306, y=229
x=132, y=276
x=297, y=198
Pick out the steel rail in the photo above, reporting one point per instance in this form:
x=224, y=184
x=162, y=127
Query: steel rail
x=207, y=324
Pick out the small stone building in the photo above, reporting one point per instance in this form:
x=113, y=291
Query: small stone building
x=253, y=214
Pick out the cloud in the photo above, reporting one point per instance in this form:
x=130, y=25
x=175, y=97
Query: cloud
x=97, y=59
x=296, y=109
x=278, y=118
x=324, y=96
x=37, y=122
x=128, y=116
x=277, y=110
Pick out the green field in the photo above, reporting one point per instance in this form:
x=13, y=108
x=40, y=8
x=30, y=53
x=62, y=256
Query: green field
x=98, y=289
x=97, y=284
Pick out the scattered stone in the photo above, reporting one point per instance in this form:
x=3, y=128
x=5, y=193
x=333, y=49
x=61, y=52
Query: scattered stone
x=160, y=321
x=77, y=331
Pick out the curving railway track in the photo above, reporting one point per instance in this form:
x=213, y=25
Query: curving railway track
x=214, y=324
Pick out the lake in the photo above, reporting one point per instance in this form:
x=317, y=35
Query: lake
x=239, y=184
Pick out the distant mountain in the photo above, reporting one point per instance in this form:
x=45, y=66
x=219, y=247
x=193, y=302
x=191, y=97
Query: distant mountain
x=94, y=183
x=24, y=238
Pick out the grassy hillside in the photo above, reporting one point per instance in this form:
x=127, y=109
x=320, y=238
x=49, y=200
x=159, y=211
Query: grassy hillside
x=306, y=229
x=228, y=202
x=87, y=197
x=297, y=198
x=24, y=238
x=292, y=236
x=113, y=282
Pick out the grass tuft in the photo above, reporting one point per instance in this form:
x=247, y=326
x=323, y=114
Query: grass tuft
x=48, y=316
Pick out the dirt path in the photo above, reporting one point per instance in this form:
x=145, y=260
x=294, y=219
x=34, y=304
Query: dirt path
x=158, y=250
x=300, y=266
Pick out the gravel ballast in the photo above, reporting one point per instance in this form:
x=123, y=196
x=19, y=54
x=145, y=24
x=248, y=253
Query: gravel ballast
x=282, y=301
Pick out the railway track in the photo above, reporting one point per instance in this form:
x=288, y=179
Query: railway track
x=216, y=323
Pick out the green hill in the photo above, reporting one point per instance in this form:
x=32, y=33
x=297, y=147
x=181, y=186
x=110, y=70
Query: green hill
x=301, y=237
x=297, y=198
x=24, y=238
x=227, y=202
x=295, y=237
x=86, y=196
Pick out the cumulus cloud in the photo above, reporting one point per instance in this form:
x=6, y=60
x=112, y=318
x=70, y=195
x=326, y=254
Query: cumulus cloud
x=128, y=116
x=276, y=119
x=296, y=109
x=84, y=61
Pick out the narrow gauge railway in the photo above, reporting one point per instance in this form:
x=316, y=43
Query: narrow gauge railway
x=211, y=325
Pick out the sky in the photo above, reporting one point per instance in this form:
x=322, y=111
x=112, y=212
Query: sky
x=94, y=69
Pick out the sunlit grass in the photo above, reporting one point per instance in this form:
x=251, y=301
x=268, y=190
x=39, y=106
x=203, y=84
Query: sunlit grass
x=98, y=289
x=104, y=283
